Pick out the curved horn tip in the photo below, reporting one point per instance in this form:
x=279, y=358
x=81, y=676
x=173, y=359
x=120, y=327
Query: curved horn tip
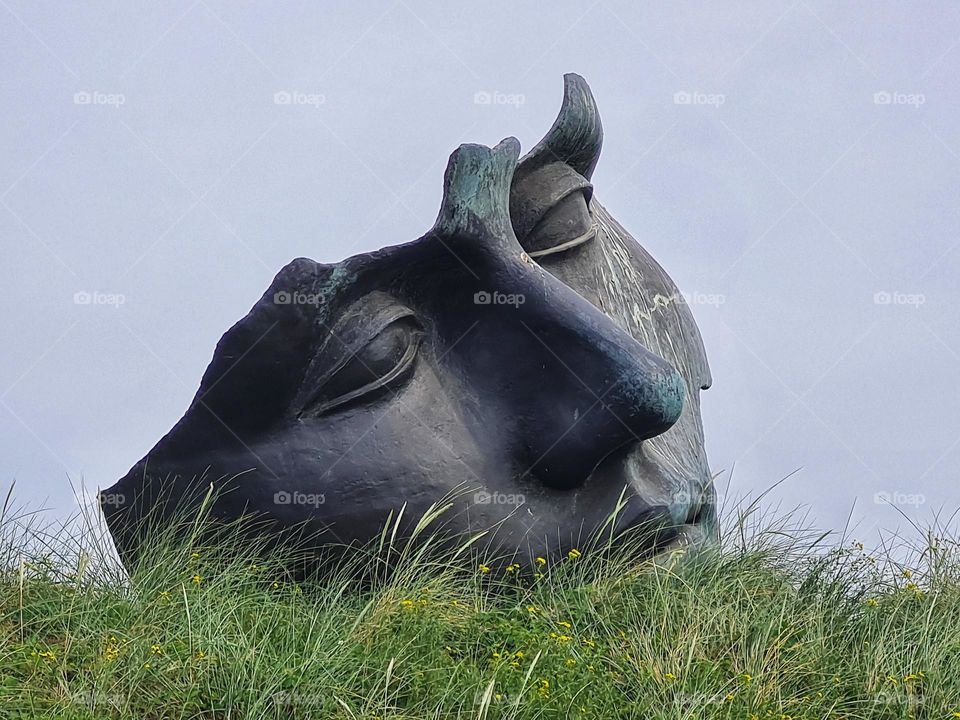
x=573, y=81
x=576, y=136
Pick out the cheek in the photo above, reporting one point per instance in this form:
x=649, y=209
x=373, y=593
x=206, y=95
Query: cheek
x=412, y=446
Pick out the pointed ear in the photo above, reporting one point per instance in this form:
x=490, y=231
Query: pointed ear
x=576, y=136
x=476, y=191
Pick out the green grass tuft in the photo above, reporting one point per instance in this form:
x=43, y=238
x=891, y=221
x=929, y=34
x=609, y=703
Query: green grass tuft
x=761, y=630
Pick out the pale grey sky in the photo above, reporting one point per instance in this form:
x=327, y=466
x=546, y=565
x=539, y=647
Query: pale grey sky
x=793, y=165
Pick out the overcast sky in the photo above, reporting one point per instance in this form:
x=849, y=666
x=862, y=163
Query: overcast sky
x=793, y=165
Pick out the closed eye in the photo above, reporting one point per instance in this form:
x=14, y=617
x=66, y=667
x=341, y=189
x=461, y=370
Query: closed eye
x=381, y=363
x=566, y=225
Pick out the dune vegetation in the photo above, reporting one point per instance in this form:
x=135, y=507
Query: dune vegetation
x=779, y=624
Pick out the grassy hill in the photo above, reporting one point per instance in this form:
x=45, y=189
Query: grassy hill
x=763, y=630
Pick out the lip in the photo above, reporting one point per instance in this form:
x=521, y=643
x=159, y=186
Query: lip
x=643, y=496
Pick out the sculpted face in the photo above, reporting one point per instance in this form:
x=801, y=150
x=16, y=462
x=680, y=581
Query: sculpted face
x=525, y=359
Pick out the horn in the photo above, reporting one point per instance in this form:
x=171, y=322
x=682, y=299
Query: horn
x=576, y=136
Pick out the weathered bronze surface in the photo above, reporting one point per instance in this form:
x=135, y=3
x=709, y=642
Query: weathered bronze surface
x=525, y=357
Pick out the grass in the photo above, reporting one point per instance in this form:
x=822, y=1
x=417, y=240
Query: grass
x=775, y=626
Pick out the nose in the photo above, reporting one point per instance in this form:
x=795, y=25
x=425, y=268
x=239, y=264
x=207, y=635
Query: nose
x=594, y=389
x=569, y=384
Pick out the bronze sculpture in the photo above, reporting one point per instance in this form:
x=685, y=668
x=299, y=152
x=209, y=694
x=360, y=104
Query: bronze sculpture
x=526, y=350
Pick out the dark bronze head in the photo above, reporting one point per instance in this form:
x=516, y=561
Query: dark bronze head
x=524, y=358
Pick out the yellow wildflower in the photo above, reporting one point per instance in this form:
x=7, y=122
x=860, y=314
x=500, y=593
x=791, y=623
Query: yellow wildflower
x=156, y=649
x=195, y=579
x=574, y=554
x=541, y=561
x=483, y=568
x=513, y=567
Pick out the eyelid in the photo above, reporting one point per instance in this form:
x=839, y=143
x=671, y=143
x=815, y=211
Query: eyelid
x=358, y=325
x=348, y=348
x=569, y=244
x=406, y=360
x=541, y=224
